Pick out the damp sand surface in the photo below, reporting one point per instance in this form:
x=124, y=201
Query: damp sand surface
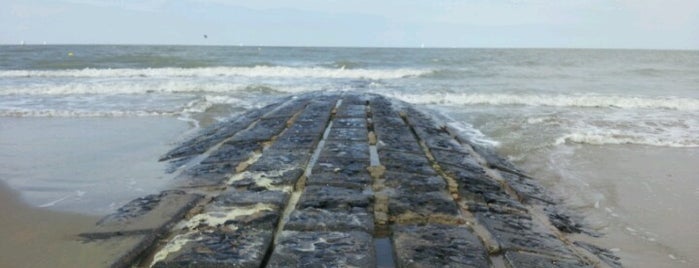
x=33, y=237
x=644, y=199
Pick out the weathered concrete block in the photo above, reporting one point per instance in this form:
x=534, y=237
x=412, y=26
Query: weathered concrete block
x=156, y=211
x=264, y=180
x=350, y=123
x=263, y=130
x=233, y=153
x=348, y=134
x=406, y=162
x=296, y=141
x=413, y=183
x=348, y=167
x=239, y=242
x=523, y=259
x=406, y=207
x=281, y=159
x=605, y=255
x=328, y=197
x=310, y=127
x=345, y=149
x=234, y=197
x=323, y=249
x=457, y=158
x=437, y=245
x=313, y=219
x=359, y=180
x=515, y=231
x=287, y=109
x=207, y=174
x=354, y=111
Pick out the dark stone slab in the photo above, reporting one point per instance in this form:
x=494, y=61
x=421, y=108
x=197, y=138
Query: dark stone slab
x=443, y=142
x=407, y=207
x=605, y=255
x=397, y=140
x=207, y=174
x=323, y=249
x=345, y=149
x=234, y=197
x=437, y=245
x=348, y=134
x=281, y=159
x=456, y=158
x=234, y=153
x=296, y=141
x=329, y=197
x=523, y=259
x=312, y=219
x=314, y=127
x=134, y=228
x=406, y=162
x=346, y=167
x=239, y=242
x=413, y=183
x=359, y=180
x=350, y=123
x=263, y=130
x=154, y=212
x=519, y=232
x=261, y=180
x=353, y=111
x=288, y=109
x=476, y=185
x=214, y=134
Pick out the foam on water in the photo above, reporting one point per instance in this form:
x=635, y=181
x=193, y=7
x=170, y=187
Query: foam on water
x=591, y=101
x=256, y=71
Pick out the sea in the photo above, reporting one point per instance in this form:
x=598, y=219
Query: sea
x=613, y=133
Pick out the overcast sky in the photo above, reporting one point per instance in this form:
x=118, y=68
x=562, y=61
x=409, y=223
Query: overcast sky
x=672, y=24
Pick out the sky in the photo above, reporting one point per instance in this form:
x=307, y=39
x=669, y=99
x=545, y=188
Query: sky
x=645, y=24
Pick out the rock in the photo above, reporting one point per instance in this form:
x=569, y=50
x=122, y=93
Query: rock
x=436, y=245
x=323, y=249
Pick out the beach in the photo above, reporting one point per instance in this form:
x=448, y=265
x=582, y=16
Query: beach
x=612, y=133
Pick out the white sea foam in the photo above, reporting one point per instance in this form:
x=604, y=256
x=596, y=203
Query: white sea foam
x=21, y=112
x=624, y=102
x=597, y=138
x=257, y=71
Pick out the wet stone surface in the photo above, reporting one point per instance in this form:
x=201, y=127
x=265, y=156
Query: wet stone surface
x=323, y=249
x=246, y=196
x=329, y=197
x=313, y=219
x=436, y=245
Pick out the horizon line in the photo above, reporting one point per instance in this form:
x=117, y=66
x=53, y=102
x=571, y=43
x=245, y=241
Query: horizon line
x=346, y=47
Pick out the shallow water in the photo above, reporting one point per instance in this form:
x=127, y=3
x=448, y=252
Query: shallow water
x=86, y=165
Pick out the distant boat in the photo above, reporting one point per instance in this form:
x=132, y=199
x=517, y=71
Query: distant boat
x=21, y=43
x=422, y=45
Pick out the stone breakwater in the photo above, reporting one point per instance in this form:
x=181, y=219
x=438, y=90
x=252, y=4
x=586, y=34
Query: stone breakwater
x=326, y=180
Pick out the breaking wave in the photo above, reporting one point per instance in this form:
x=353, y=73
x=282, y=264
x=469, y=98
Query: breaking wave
x=596, y=138
x=624, y=102
x=256, y=71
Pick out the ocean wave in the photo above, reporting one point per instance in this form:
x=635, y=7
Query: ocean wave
x=256, y=71
x=153, y=86
x=80, y=113
x=624, y=102
x=596, y=138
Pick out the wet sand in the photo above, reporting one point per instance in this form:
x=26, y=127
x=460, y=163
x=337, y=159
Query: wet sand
x=644, y=199
x=34, y=237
